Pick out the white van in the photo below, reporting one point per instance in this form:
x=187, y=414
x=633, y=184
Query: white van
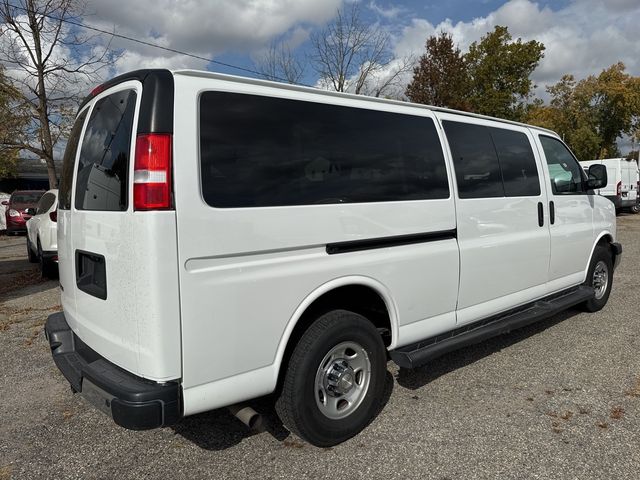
x=225, y=238
x=623, y=182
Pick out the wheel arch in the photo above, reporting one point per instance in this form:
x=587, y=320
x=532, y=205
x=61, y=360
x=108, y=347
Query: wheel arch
x=604, y=238
x=303, y=315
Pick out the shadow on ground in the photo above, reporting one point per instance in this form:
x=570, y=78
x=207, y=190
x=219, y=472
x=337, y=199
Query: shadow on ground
x=220, y=430
x=421, y=376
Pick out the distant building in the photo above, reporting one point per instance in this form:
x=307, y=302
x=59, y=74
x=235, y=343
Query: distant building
x=31, y=174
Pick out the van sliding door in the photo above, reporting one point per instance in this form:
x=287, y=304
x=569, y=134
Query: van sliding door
x=503, y=230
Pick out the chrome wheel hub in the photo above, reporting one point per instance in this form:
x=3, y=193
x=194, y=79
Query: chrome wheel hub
x=600, y=280
x=342, y=380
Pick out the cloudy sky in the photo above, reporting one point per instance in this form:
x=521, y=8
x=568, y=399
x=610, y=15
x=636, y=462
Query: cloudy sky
x=581, y=36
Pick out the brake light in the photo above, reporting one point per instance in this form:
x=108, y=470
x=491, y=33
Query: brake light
x=54, y=215
x=619, y=189
x=152, y=172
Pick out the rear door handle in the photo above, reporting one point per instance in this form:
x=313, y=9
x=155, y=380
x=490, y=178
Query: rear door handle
x=552, y=212
x=540, y=214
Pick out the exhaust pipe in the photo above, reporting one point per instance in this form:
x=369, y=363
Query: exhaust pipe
x=247, y=415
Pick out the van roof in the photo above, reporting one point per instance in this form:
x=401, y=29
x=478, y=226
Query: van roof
x=329, y=93
x=142, y=74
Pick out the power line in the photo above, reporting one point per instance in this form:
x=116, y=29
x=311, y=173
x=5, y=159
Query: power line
x=155, y=45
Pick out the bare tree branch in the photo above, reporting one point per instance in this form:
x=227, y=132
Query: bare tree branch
x=349, y=54
x=279, y=63
x=51, y=64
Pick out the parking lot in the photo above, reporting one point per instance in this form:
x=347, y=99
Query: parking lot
x=560, y=399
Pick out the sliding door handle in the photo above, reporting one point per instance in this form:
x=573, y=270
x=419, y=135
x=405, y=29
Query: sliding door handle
x=540, y=214
x=552, y=212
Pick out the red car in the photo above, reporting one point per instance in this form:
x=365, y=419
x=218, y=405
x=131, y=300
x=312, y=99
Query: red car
x=17, y=205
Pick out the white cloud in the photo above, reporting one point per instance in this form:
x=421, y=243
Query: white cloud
x=388, y=13
x=205, y=28
x=582, y=39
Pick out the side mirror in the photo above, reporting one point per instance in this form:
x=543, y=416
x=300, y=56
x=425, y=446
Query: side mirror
x=597, y=177
x=5, y=202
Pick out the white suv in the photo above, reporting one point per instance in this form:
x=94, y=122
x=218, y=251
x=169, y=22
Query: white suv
x=42, y=234
x=224, y=238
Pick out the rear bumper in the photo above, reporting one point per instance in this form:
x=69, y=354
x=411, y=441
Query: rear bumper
x=132, y=402
x=16, y=224
x=617, y=201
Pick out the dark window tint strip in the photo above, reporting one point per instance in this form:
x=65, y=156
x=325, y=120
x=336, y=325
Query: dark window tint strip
x=260, y=151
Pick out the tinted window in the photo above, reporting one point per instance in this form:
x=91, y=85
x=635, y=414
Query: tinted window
x=565, y=172
x=261, y=151
x=64, y=192
x=45, y=203
x=101, y=182
x=475, y=160
x=517, y=163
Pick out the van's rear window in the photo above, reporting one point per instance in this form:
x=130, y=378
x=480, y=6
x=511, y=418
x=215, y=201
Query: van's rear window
x=260, y=151
x=68, y=162
x=102, y=178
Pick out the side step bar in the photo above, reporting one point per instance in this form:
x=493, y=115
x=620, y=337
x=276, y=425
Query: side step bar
x=419, y=353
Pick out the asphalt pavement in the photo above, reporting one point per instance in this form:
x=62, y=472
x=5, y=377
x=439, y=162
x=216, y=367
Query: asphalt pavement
x=556, y=400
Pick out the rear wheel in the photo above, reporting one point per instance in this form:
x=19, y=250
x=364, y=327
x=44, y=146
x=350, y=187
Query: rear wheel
x=48, y=269
x=635, y=209
x=33, y=258
x=335, y=379
x=600, y=277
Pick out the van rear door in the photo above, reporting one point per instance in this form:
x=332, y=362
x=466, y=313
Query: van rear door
x=118, y=265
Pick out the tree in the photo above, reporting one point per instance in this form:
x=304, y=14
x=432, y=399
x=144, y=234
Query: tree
x=614, y=96
x=279, y=63
x=440, y=78
x=352, y=56
x=593, y=113
x=499, y=74
x=49, y=65
x=13, y=121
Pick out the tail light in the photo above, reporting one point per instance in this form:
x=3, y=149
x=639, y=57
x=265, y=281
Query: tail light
x=152, y=172
x=619, y=189
x=54, y=215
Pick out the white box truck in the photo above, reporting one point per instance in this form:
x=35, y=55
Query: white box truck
x=623, y=182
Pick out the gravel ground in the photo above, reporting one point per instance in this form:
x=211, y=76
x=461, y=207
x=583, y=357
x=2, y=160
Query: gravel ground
x=557, y=400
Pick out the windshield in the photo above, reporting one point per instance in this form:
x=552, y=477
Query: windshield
x=26, y=197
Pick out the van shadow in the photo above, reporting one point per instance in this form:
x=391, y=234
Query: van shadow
x=219, y=429
x=421, y=376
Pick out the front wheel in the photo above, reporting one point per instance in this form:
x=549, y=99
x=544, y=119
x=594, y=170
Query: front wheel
x=600, y=277
x=335, y=379
x=635, y=209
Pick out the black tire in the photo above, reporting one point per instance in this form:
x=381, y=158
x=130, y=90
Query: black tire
x=635, y=209
x=48, y=269
x=601, y=259
x=33, y=258
x=297, y=404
